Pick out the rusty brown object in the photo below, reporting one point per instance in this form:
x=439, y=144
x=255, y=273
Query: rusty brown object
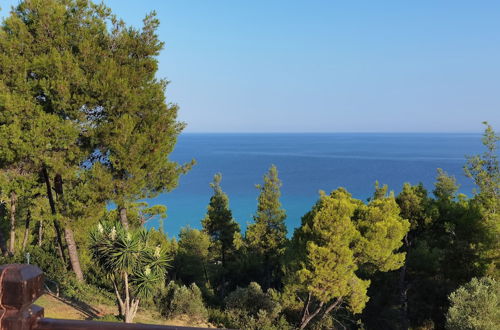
x=20, y=286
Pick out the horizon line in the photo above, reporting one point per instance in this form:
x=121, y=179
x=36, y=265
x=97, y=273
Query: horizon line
x=342, y=132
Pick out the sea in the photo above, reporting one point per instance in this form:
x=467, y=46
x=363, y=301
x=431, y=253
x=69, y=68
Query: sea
x=307, y=163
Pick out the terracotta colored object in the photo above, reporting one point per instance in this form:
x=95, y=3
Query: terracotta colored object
x=20, y=286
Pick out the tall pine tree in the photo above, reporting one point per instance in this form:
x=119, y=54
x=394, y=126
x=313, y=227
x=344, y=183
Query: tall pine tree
x=267, y=236
x=220, y=226
x=80, y=106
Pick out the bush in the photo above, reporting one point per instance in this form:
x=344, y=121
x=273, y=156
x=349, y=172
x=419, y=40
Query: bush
x=251, y=299
x=181, y=300
x=250, y=308
x=45, y=257
x=240, y=319
x=475, y=305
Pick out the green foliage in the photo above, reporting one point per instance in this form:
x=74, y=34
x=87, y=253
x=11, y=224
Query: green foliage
x=251, y=308
x=221, y=227
x=268, y=234
x=380, y=191
x=120, y=251
x=266, y=238
x=252, y=299
x=239, y=319
x=192, y=259
x=446, y=186
x=415, y=206
x=180, y=300
x=45, y=257
x=135, y=266
x=80, y=103
x=336, y=237
x=475, y=305
x=485, y=171
x=382, y=230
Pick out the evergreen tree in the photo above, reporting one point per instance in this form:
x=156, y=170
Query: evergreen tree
x=192, y=259
x=446, y=186
x=475, y=305
x=79, y=100
x=43, y=127
x=484, y=170
x=220, y=226
x=380, y=191
x=267, y=236
x=337, y=237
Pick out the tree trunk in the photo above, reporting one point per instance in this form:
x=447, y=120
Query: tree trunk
x=123, y=217
x=121, y=304
x=40, y=232
x=73, y=254
x=333, y=306
x=13, y=203
x=3, y=245
x=135, y=307
x=128, y=318
x=54, y=214
x=305, y=310
x=307, y=318
x=205, y=272
x=26, y=230
x=403, y=289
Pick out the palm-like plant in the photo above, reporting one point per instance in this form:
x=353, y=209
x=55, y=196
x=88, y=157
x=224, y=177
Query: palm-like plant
x=134, y=265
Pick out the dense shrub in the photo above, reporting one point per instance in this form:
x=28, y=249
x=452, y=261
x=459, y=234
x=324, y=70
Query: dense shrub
x=250, y=308
x=475, y=305
x=240, y=319
x=251, y=299
x=45, y=257
x=182, y=300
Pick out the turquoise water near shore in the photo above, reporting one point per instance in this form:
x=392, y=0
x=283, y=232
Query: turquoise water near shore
x=307, y=163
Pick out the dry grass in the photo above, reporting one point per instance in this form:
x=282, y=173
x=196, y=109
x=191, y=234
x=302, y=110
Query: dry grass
x=60, y=309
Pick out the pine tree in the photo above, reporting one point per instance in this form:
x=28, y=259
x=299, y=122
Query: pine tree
x=337, y=237
x=484, y=170
x=79, y=100
x=267, y=236
x=220, y=225
x=192, y=259
x=446, y=186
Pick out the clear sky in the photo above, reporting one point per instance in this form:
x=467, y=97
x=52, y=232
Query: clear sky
x=328, y=66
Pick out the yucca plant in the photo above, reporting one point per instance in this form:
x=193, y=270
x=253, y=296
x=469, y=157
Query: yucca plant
x=135, y=267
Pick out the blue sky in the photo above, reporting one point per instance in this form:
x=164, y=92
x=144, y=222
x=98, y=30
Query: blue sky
x=328, y=66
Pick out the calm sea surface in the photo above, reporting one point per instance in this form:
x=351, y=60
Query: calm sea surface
x=307, y=163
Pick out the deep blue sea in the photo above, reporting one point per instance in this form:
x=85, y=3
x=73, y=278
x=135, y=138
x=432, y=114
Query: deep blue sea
x=307, y=163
